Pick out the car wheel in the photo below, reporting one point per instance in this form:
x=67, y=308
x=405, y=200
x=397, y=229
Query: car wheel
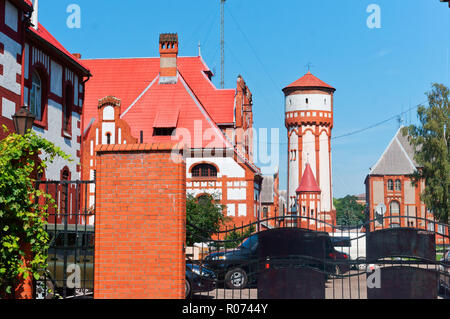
x=188, y=290
x=236, y=279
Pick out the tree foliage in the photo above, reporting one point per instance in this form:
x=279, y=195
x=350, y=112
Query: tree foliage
x=235, y=238
x=348, y=211
x=431, y=140
x=204, y=217
x=22, y=215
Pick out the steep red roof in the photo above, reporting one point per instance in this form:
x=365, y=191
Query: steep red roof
x=127, y=79
x=48, y=38
x=308, y=183
x=145, y=102
x=309, y=80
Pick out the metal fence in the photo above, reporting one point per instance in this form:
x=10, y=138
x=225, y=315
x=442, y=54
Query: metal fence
x=298, y=257
x=70, y=264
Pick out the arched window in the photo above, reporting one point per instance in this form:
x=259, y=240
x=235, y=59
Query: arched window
x=204, y=170
x=36, y=96
x=398, y=185
x=390, y=185
x=108, y=138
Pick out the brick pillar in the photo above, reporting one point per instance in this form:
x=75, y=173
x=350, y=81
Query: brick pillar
x=140, y=222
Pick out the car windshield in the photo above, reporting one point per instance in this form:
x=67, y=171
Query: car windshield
x=250, y=242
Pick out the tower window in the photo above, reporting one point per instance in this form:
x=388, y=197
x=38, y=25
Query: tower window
x=108, y=138
x=307, y=100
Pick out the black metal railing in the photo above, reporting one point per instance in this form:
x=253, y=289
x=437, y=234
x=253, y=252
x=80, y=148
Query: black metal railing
x=70, y=225
x=321, y=260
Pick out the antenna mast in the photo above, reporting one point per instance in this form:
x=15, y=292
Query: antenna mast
x=222, y=43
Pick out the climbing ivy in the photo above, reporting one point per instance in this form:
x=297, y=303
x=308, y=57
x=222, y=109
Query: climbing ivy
x=23, y=207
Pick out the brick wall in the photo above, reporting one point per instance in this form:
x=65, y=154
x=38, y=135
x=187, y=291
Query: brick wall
x=140, y=222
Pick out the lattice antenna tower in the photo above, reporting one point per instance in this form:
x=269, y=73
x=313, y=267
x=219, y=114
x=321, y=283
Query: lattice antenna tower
x=222, y=43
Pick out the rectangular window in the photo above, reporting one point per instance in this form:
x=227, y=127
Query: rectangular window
x=166, y=131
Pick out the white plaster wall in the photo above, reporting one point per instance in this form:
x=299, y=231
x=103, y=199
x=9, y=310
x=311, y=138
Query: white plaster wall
x=108, y=128
x=236, y=193
x=10, y=66
x=8, y=108
x=227, y=166
x=324, y=163
x=215, y=192
x=242, y=209
x=318, y=102
x=231, y=210
x=68, y=146
x=309, y=151
x=293, y=168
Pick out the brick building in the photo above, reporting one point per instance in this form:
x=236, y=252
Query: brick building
x=38, y=72
x=389, y=184
x=172, y=99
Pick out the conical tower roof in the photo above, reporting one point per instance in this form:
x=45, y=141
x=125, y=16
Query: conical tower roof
x=309, y=81
x=308, y=183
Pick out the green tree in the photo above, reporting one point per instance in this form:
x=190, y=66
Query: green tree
x=431, y=141
x=348, y=211
x=22, y=215
x=204, y=217
x=234, y=238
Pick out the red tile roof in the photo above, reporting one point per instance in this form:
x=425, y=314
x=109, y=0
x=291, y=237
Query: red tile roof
x=308, y=183
x=46, y=36
x=309, y=80
x=136, y=83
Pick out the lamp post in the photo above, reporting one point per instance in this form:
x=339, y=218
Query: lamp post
x=23, y=121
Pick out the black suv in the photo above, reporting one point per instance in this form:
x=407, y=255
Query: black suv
x=296, y=248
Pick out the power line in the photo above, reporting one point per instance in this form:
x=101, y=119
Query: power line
x=363, y=129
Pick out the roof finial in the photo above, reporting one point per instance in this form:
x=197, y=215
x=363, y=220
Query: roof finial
x=199, y=49
x=309, y=65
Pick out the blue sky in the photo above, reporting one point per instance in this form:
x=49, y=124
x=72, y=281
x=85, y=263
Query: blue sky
x=378, y=73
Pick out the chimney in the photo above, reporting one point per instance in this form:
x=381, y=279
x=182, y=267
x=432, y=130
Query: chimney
x=168, y=49
x=34, y=15
x=77, y=55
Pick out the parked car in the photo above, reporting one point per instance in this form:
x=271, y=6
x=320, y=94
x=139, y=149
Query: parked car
x=444, y=274
x=199, y=279
x=71, y=249
x=239, y=267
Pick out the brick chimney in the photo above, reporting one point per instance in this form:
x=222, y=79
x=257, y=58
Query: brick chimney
x=168, y=49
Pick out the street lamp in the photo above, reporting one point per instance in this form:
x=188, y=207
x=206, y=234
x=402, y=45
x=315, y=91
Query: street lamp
x=23, y=120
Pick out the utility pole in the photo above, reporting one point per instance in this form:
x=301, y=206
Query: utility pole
x=222, y=43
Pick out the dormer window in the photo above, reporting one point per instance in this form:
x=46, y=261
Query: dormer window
x=163, y=131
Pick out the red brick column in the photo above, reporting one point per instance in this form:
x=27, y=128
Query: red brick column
x=140, y=222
